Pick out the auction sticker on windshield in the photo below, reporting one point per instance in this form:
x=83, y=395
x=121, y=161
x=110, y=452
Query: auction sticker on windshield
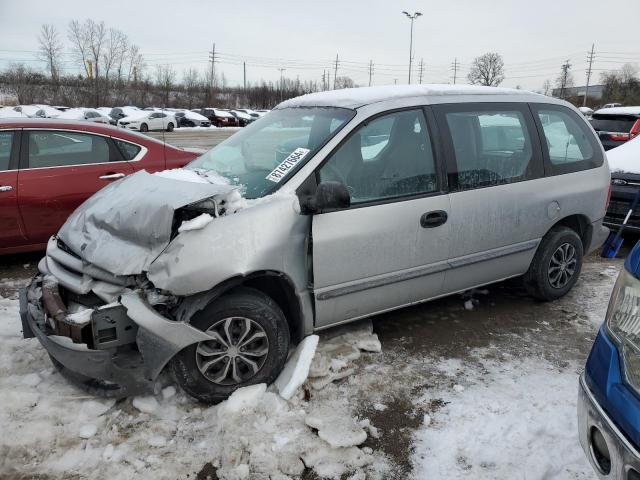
x=287, y=164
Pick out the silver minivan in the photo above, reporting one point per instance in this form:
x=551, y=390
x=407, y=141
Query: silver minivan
x=333, y=207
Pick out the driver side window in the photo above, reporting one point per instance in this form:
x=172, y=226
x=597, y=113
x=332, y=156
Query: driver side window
x=390, y=156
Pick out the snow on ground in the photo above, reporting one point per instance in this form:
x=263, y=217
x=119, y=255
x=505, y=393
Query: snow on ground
x=515, y=420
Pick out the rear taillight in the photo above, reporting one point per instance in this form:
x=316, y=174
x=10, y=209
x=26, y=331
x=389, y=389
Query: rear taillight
x=620, y=137
x=608, y=197
x=635, y=130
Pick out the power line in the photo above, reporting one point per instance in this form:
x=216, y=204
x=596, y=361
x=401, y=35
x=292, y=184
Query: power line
x=590, y=57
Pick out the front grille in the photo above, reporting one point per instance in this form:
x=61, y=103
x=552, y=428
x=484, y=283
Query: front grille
x=618, y=210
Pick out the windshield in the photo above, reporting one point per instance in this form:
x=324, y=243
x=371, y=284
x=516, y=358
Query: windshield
x=259, y=157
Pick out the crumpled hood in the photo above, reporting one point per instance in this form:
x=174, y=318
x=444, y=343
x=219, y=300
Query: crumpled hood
x=127, y=224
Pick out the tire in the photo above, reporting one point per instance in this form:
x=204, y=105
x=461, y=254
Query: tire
x=556, y=266
x=228, y=313
x=170, y=127
x=144, y=127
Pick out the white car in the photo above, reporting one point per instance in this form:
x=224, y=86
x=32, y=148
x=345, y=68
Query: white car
x=11, y=112
x=38, y=111
x=87, y=114
x=144, y=121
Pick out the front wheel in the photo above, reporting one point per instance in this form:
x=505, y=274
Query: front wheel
x=249, y=345
x=144, y=127
x=170, y=127
x=556, y=266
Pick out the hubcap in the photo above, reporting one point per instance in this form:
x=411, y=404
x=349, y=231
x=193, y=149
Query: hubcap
x=236, y=352
x=562, y=266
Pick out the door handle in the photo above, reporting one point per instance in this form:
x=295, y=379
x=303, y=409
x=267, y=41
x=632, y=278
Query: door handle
x=433, y=219
x=5, y=188
x=111, y=176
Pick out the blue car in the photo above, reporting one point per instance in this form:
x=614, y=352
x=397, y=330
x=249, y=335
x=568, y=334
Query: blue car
x=609, y=398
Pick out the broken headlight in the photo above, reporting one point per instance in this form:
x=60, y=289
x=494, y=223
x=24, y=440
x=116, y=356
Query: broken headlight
x=623, y=325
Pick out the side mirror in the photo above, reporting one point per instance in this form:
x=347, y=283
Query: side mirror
x=328, y=196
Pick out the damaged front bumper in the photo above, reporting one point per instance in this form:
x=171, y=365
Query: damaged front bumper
x=120, y=351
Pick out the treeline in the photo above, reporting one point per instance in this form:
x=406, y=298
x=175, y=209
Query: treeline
x=621, y=86
x=30, y=86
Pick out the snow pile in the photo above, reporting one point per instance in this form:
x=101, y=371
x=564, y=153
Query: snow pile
x=197, y=223
x=81, y=317
x=51, y=428
x=516, y=418
x=334, y=357
x=626, y=157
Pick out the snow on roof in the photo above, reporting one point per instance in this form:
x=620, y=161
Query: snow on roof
x=618, y=111
x=9, y=112
x=626, y=157
x=356, y=97
x=73, y=114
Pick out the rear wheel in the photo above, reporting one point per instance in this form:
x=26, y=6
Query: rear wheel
x=144, y=127
x=556, y=265
x=170, y=127
x=249, y=345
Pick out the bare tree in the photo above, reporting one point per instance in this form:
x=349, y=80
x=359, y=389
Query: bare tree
x=621, y=86
x=546, y=87
x=565, y=79
x=50, y=49
x=87, y=40
x=115, y=49
x=24, y=83
x=487, y=69
x=165, y=79
x=135, y=64
x=344, y=82
x=191, y=83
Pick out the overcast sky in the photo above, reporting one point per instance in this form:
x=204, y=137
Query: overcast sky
x=534, y=38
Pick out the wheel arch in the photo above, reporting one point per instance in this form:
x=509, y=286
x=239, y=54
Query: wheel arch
x=580, y=224
x=276, y=285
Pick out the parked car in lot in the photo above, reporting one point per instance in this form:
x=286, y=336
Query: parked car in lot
x=609, y=398
x=87, y=114
x=616, y=125
x=49, y=167
x=334, y=207
x=144, y=121
x=187, y=118
x=218, y=117
x=244, y=118
x=119, y=113
x=624, y=163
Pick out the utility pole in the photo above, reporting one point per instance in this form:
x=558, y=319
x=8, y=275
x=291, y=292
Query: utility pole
x=590, y=57
x=335, y=73
x=421, y=71
x=370, y=71
x=244, y=74
x=212, y=59
x=454, y=67
x=281, y=83
x=412, y=18
x=565, y=74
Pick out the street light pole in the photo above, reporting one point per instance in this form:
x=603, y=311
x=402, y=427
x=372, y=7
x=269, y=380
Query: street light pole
x=412, y=18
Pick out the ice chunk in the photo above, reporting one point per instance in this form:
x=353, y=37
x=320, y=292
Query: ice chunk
x=335, y=428
x=168, y=392
x=296, y=370
x=468, y=304
x=147, y=404
x=197, y=223
x=87, y=431
x=244, y=398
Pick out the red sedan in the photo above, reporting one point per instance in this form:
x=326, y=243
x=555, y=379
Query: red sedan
x=49, y=167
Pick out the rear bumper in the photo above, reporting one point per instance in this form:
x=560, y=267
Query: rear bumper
x=599, y=235
x=624, y=456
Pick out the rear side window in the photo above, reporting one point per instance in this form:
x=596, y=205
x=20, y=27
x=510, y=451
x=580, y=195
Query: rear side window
x=60, y=148
x=569, y=144
x=492, y=145
x=128, y=150
x=6, y=140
